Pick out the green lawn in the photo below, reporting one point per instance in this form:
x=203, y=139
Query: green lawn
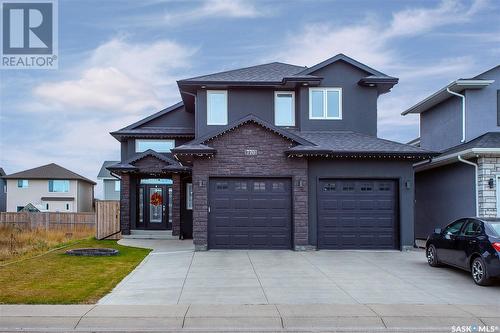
x=56, y=278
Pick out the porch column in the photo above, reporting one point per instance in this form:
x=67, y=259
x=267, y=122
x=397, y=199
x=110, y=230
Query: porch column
x=176, y=205
x=125, y=204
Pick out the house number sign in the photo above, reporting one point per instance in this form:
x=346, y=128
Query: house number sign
x=250, y=152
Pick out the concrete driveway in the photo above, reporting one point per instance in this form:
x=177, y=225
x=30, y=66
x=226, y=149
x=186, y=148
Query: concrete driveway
x=174, y=274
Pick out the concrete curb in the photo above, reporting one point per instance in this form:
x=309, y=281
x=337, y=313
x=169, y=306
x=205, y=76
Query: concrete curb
x=247, y=318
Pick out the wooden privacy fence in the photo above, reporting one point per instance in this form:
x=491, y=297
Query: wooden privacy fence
x=107, y=214
x=49, y=220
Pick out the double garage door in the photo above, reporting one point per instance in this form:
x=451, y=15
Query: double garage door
x=256, y=213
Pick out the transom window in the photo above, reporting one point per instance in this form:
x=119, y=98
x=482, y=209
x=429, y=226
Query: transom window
x=278, y=186
x=240, y=186
x=216, y=107
x=284, y=108
x=160, y=146
x=330, y=187
x=325, y=103
x=22, y=183
x=58, y=185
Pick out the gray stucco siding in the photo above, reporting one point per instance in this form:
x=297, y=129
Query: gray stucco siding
x=443, y=195
x=481, y=106
x=109, y=190
x=359, y=104
x=441, y=126
x=400, y=171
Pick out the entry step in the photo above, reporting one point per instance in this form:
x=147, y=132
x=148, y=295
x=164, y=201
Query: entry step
x=150, y=234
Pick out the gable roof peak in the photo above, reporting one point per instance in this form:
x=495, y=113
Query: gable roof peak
x=344, y=58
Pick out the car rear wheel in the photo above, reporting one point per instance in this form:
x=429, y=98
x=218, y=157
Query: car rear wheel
x=431, y=254
x=479, y=272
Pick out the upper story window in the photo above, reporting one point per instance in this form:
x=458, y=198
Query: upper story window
x=160, y=146
x=58, y=185
x=117, y=186
x=216, y=107
x=284, y=108
x=325, y=103
x=22, y=183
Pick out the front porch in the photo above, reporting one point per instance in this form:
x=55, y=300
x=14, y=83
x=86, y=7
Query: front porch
x=155, y=197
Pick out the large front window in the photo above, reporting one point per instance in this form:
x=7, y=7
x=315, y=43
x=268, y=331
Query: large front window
x=284, y=108
x=160, y=146
x=58, y=185
x=325, y=103
x=216, y=107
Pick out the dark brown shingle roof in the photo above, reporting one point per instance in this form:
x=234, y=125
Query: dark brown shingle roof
x=49, y=171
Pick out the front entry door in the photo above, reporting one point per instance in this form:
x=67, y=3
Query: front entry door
x=153, y=207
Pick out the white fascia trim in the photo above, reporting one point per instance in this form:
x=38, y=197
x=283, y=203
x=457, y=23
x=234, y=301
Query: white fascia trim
x=463, y=153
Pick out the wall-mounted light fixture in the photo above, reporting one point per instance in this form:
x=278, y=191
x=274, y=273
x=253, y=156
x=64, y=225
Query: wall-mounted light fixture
x=491, y=183
x=202, y=183
x=300, y=183
x=408, y=184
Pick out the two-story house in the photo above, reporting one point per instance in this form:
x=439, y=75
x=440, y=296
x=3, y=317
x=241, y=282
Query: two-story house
x=3, y=192
x=50, y=188
x=462, y=122
x=110, y=184
x=273, y=156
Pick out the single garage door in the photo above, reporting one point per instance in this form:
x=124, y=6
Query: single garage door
x=357, y=214
x=250, y=213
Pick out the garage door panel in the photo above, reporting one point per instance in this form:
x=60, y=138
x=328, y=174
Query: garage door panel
x=250, y=213
x=366, y=217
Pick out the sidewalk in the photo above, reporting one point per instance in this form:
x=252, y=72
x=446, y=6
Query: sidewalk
x=264, y=318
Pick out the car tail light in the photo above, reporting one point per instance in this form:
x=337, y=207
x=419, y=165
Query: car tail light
x=496, y=246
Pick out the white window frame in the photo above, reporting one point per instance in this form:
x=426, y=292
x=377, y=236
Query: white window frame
x=189, y=196
x=293, y=105
x=117, y=185
x=137, y=141
x=325, y=103
x=22, y=183
x=209, y=111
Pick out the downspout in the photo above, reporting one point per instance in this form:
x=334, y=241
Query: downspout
x=463, y=111
x=476, y=180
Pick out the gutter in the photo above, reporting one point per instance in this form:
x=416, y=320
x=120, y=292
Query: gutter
x=459, y=157
x=463, y=111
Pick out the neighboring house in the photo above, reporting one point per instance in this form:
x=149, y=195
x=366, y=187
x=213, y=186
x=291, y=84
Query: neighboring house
x=3, y=192
x=462, y=122
x=110, y=184
x=274, y=156
x=49, y=188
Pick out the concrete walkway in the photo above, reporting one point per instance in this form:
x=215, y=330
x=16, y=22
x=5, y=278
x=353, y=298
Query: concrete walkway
x=262, y=318
x=174, y=274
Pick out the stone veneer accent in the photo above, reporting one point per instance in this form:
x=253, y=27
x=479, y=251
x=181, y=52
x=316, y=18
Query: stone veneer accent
x=231, y=160
x=125, y=204
x=176, y=205
x=488, y=167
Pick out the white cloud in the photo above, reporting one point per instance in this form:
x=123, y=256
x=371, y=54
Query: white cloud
x=371, y=41
x=216, y=9
x=120, y=77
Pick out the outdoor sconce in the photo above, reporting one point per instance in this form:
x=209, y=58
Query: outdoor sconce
x=202, y=183
x=491, y=183
x=408, y=184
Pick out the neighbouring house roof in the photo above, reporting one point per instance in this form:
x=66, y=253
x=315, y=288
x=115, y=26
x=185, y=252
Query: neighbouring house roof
x=488, y=143
x=103, y=172
x=198, y=146
x=128, y=165
x=30, y=208
x=352, y=144
x=442, y=94
x=135, y=129
x=49, y=171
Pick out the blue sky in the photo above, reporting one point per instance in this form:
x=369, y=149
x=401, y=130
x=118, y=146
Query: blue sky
x=119, y=61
